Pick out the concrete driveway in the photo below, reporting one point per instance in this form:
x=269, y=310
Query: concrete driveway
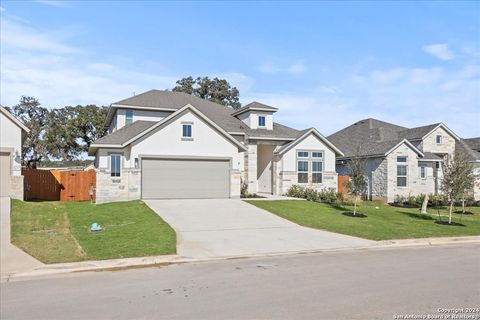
x=231, y=227
x=12, y=259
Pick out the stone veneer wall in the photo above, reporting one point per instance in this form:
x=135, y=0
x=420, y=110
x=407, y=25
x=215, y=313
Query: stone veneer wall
x=123, y=188
x=290, y=178
x=16, y=187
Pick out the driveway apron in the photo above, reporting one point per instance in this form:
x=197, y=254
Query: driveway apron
x=231, y=227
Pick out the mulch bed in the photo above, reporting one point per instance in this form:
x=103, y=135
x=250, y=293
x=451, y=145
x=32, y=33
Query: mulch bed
x=357, y=215
x=453, y=224
x=465, y=213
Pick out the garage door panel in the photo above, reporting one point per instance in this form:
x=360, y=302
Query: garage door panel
x=174, y=179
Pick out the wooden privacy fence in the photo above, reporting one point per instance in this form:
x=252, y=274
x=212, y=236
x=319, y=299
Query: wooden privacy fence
x=342, y=184
x=57, y=185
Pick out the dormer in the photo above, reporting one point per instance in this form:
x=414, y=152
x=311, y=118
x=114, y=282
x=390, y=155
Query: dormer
x=256, y=115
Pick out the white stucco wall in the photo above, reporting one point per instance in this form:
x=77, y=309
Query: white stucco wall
x=207, y=142
x=11, y=141
x=251, y=119
x=145, y=115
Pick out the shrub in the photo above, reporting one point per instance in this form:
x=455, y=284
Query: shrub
x=243, y=189
x=312, y=194
x=399, y=200
x=411, y=201
x=419, y=199
x=296, y=191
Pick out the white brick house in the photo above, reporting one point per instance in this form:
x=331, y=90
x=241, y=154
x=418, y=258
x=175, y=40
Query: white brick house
x=401, y=161
x=164, y=144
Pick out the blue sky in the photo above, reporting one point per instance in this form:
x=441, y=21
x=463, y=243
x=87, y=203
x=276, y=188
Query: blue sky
x=323, y=64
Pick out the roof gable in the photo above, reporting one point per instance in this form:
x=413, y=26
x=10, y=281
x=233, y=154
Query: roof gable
x=12, y=118
x=134, y=132
x=306, y=133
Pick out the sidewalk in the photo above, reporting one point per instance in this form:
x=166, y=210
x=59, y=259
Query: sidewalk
x=45, y=270
x=12, y=259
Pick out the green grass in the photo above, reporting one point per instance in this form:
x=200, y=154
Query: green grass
x=384, y=223
x=56, y=232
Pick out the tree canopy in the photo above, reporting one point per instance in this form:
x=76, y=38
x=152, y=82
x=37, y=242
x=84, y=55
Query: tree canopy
x=64, y=133
x=215, y=90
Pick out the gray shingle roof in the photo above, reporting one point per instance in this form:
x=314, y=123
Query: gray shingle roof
x=279, y=131
x=470, y=147
x=473, y=143
x=219, y=114
x=418, y=132
x=375, y=137
x=368, y=137
x=431, y=156
x=254, y=105
x=126, y=133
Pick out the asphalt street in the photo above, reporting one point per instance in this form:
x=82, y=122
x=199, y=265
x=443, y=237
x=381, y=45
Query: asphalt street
x=358, y=284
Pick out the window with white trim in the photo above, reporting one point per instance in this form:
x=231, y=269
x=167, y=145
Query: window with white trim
x=423, y=171
x=302, y=171
x=401, y=176
x=128, y=117
x=261, y=121
x=115, y=165
x=438, y=139
x=302, y=154
x=317, y=171
x=401, y=159
x=310, y=164
x=187, y=130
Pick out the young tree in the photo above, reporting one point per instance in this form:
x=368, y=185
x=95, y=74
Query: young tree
x=215, y=90
x=357, y=184
x=458, y=179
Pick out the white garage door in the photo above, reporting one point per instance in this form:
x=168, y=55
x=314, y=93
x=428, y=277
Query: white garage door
x=4, y=174
x=185, y=178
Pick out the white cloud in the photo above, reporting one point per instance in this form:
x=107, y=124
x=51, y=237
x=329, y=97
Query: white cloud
x=53, y=3
x=405, y=96
x=42, y=64
x=295, y=68
x=439, y=51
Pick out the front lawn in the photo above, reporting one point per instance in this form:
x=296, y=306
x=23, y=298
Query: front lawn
x=60, y=231
x=384, y=223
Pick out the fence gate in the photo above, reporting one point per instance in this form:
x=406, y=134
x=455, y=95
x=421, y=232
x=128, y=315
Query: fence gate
x=59, y=185
x=342, y=184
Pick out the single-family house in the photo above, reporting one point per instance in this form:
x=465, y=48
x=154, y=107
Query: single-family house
x=400, y=161
x=164, y=144
x=12, y=135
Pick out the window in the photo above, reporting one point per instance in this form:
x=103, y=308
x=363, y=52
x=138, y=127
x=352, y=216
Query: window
x=128, y=117
x=115, y=165
x=136, y=163
x=310, y=162
x=423, y=172
x=401, y=159
x=317, y=168
x=438, y=139
x=302, y=168
x=401, y=176
x=261, y=121
x=187, y=130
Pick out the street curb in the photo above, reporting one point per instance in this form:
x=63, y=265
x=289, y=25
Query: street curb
x=162, y=261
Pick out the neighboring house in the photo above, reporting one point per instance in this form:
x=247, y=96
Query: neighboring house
x=164, y=144
x=472, y=145
x=12, y=135
x=400, y=161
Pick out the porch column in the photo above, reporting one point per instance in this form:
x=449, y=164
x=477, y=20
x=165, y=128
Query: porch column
x=252, y=168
